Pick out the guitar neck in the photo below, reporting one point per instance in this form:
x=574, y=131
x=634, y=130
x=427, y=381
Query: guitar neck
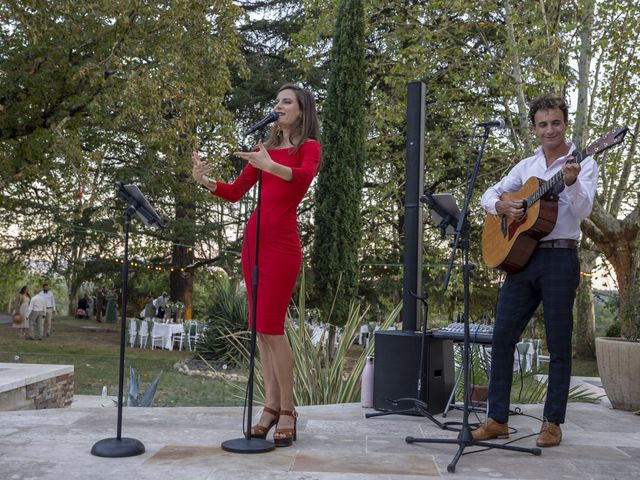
x=549, y=184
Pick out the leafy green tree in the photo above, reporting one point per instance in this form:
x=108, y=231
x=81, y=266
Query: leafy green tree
x=339, y=192
x=97, y=92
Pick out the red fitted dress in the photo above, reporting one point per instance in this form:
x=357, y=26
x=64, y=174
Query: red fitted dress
x=280, y=255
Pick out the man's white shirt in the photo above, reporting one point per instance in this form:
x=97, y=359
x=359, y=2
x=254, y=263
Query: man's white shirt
x=575, y=201
x=38, y=303
x=49, y=298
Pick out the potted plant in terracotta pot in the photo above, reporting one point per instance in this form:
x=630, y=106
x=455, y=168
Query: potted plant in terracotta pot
x=619, y=358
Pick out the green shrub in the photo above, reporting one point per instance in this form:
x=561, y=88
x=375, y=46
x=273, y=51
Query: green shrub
x=227, y=313
x=614, y=329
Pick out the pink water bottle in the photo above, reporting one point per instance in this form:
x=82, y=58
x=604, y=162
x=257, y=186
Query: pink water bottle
x=366, y=387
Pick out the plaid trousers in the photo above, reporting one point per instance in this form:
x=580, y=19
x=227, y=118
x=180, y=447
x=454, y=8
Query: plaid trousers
x=551, y=277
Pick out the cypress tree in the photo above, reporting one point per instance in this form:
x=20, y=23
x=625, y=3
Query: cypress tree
x=339, y=190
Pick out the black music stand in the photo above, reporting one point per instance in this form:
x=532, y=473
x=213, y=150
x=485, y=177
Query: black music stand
x=138, y=204
x=462, y=239
x=445, y=213
x=249, y=444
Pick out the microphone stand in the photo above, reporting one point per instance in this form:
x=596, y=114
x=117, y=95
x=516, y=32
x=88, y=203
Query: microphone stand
x=463, y=229
x=249, y=444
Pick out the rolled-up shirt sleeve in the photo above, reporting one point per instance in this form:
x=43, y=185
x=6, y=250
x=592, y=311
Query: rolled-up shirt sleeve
x=511, y=183
x=233, y=192
x=582, y=192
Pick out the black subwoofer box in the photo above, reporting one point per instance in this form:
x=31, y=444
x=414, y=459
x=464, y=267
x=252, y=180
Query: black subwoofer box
x=396, y=369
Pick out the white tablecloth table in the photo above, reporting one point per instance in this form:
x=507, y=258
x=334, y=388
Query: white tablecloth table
x=166, y=331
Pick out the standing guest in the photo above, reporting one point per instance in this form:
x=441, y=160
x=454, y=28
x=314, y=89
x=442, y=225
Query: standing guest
x=288, y=160
x=90, y=303
x=20, y=307
x=160, y=304
x=51, y=308
x=36, y=313
x=100, y=305
x=551, y=276
x=149, y=310
x=83, y=306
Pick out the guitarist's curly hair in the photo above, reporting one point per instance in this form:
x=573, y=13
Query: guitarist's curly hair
x=548, y=101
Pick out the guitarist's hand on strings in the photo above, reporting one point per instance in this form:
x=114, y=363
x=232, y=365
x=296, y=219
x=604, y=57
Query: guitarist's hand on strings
x=512, y=209
x=570, y=172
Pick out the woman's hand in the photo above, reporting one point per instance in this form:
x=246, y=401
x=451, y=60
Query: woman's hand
x=200, y=170
x=260, y=159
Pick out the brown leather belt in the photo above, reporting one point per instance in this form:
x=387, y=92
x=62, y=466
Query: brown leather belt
x=559, y=243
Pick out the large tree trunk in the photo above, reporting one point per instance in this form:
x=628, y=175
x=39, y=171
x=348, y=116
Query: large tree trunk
x=585, y=313
x=514, y=59
x=182, y=258
x=181, y=279
x=619, y=240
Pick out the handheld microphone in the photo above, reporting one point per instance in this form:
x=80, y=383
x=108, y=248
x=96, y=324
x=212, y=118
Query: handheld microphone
x=271, y=117
x=498, y=123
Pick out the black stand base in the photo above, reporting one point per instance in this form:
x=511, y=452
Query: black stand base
x=408, y=411
x=464, y=440
x=419, y=409
x=248, y=445
x=114, y=448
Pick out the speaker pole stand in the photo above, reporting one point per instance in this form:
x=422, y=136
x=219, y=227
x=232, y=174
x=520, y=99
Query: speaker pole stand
x=465, y=439
x=419, y=407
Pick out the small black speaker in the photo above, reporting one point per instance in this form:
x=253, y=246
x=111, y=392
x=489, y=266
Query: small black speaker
x=397, y=365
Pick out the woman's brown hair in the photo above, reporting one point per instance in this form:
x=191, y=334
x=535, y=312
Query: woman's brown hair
x=307, y=126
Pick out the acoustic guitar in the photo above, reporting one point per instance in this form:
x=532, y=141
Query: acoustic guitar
x=508, y=244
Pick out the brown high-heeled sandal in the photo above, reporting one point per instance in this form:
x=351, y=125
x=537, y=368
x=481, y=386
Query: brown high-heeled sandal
x=287, y=435
x=259, y=431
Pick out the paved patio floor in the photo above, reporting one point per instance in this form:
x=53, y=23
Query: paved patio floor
x=334, y=442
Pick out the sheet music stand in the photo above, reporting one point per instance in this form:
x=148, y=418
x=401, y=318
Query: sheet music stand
x=136, y=203
x=444, y=211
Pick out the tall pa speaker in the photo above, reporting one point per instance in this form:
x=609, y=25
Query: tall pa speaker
x=397, y=365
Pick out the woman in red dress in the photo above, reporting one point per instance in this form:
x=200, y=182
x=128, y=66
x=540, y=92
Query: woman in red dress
x=289, y=160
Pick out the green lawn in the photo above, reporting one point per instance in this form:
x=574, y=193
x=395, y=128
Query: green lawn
x=95, y=357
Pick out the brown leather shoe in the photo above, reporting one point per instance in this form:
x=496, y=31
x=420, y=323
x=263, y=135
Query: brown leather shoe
x=550, y=435
x=490, y=429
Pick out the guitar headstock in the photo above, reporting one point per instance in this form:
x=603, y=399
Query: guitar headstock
x=611, y=139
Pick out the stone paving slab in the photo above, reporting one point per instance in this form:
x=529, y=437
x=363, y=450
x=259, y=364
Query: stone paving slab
x=335, y=442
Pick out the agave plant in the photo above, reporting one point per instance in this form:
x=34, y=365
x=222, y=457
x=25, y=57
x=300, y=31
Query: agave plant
x=227, y=314
x=135, y=398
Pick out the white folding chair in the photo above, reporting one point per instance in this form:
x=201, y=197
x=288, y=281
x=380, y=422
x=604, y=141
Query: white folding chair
x=143, y=333
x=133, y=331
x=181, y=336
x=154, y=336
x=194, y=334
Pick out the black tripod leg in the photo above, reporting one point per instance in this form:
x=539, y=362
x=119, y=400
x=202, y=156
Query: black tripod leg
x=454, y=461
x=533, y=451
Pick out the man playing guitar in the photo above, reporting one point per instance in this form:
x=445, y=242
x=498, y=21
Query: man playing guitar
x=550, y=276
